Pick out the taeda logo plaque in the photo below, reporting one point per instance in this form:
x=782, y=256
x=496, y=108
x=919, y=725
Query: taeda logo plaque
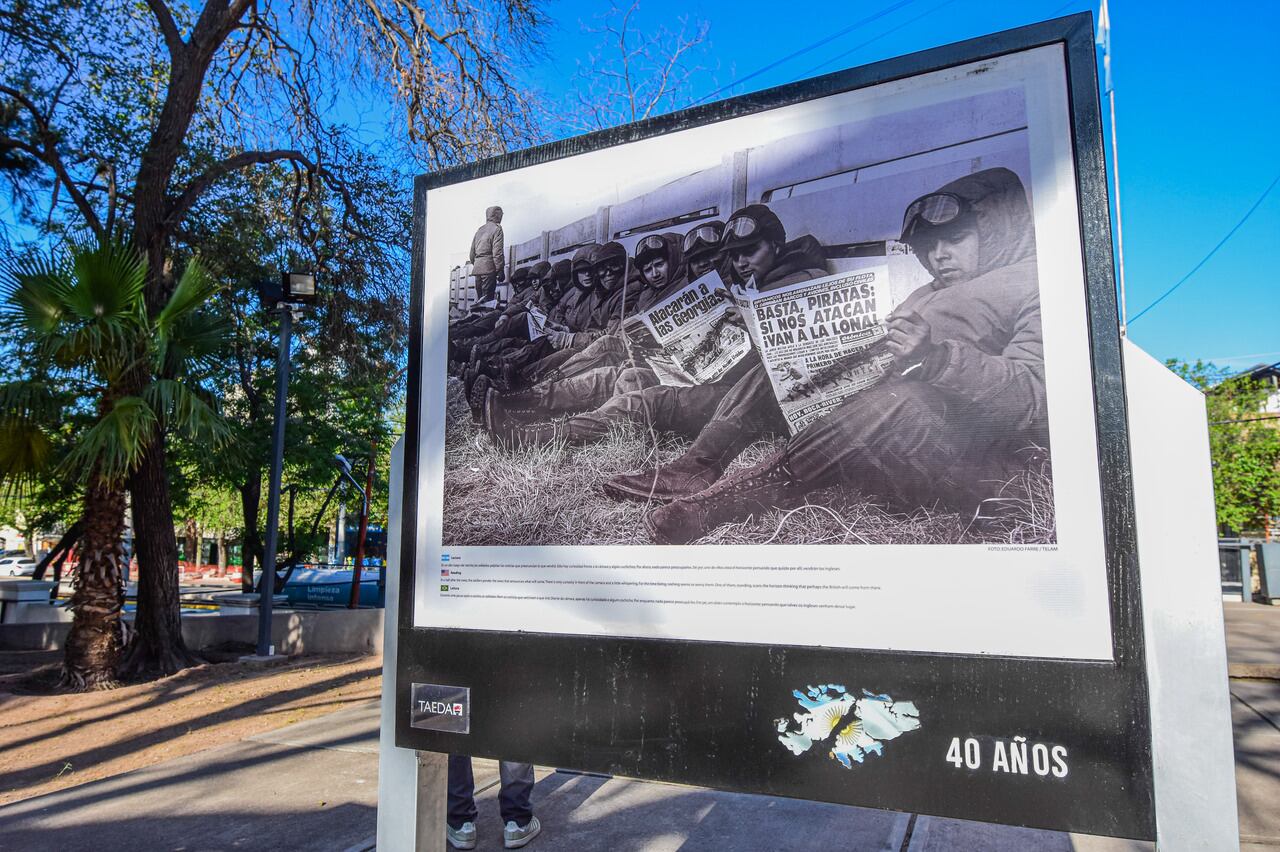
x=436, y=707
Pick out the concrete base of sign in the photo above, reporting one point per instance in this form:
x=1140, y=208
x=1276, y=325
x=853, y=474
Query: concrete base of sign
x=432, y=788
x=1186, y=647
x=1181, y=610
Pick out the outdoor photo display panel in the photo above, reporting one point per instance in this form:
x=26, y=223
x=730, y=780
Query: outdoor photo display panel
x=865, y=321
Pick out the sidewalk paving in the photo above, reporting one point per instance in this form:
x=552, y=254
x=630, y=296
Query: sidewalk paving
x=313, y=786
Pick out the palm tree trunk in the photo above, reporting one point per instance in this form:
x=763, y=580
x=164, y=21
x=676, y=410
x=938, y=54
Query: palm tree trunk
x=92, y=651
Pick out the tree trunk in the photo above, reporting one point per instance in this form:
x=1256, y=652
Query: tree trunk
x=222, y=553
x=191, y=543
x=251, y=545
x=92, y=649
x=157, y=648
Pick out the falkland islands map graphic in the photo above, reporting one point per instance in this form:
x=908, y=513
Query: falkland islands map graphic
x=867, y=722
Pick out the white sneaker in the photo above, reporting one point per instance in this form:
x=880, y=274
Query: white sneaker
x=513, y=836
x=464, y=837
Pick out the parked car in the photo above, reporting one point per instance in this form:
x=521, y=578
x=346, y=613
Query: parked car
x=17, y=566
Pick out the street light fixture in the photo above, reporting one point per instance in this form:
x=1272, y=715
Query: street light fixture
x=296, y=290
x=299, y=287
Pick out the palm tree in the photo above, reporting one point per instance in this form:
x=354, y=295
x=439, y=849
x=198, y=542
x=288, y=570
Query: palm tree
x=91, y=342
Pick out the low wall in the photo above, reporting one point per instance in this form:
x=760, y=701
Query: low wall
x=337, y=631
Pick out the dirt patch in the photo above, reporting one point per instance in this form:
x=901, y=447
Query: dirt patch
x=50, y=742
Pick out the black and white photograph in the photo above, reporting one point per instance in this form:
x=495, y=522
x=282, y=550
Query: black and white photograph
x=806, y=357
x=831, y=338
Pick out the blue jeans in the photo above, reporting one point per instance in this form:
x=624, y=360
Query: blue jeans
x=514, y=796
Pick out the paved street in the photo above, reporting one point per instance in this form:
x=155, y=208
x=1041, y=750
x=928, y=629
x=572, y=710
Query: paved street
x=313, y=786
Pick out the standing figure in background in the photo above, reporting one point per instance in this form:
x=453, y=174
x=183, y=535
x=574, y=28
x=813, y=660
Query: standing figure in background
x=487, y=250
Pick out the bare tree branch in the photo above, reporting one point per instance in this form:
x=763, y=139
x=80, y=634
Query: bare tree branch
x=206, y=179
x=47, y=152
x=637, y=72
x=168, y=28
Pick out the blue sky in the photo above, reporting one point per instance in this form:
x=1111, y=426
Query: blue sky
x=1198, y=117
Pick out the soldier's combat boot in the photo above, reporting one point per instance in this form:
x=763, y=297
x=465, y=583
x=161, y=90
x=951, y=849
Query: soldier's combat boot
x=766, y=486
x=505, y=410
x=524, y=436
x=716, y=446
x=478, y=390
x=509, y=378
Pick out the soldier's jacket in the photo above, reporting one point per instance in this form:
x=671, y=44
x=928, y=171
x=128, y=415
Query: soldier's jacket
x=487, y=247
x=990, y=345
x=580, y=315
x=567, y=300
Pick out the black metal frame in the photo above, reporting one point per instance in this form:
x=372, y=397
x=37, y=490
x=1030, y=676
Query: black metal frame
x=679, y=710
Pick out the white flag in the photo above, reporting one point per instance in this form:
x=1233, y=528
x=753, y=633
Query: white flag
x=1104, y=41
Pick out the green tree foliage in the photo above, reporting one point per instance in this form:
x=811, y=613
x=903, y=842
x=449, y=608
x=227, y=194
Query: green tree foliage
x=125, y=119
x=85, y=316
x=348, y=353
x=1244, y=444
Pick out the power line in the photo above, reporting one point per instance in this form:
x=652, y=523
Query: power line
x=873, y=39
x=802, y=51
x=1063, y=8
x=1212, y=251
x=1245, y=420
x=1248, y=357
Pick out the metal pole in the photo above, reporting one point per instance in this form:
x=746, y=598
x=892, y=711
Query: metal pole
x=267, y=586
x=364, y=529
x=340, y=550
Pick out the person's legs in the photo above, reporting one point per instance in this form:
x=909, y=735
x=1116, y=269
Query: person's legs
x=548, y=364
x=548, y=401
x=747, y=410
x=486, y=286
x=516, y=793
x=608, y=351
x=683, y=410
x=899, y=440
x=462, y=788
x=902, y=441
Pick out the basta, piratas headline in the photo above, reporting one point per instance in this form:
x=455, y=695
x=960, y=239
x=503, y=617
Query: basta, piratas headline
x=825, y=314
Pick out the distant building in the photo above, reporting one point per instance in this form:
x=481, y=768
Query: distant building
x=1269, y=374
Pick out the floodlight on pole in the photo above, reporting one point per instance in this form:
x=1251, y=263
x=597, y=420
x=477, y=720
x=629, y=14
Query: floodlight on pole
x=296, y=290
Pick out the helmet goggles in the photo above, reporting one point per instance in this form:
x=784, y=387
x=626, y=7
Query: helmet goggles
x=934, y=209
x=702, y=238
x=652, y=244
x=741, y=227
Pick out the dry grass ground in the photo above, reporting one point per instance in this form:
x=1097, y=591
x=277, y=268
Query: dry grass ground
x=52, y=741
x=552, y=495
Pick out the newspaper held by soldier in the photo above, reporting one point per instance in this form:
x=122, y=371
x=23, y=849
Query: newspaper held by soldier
x=537, y=322
x=821, y=340
x=689, y=336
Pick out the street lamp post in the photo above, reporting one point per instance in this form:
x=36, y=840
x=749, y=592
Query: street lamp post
x=296, y=290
